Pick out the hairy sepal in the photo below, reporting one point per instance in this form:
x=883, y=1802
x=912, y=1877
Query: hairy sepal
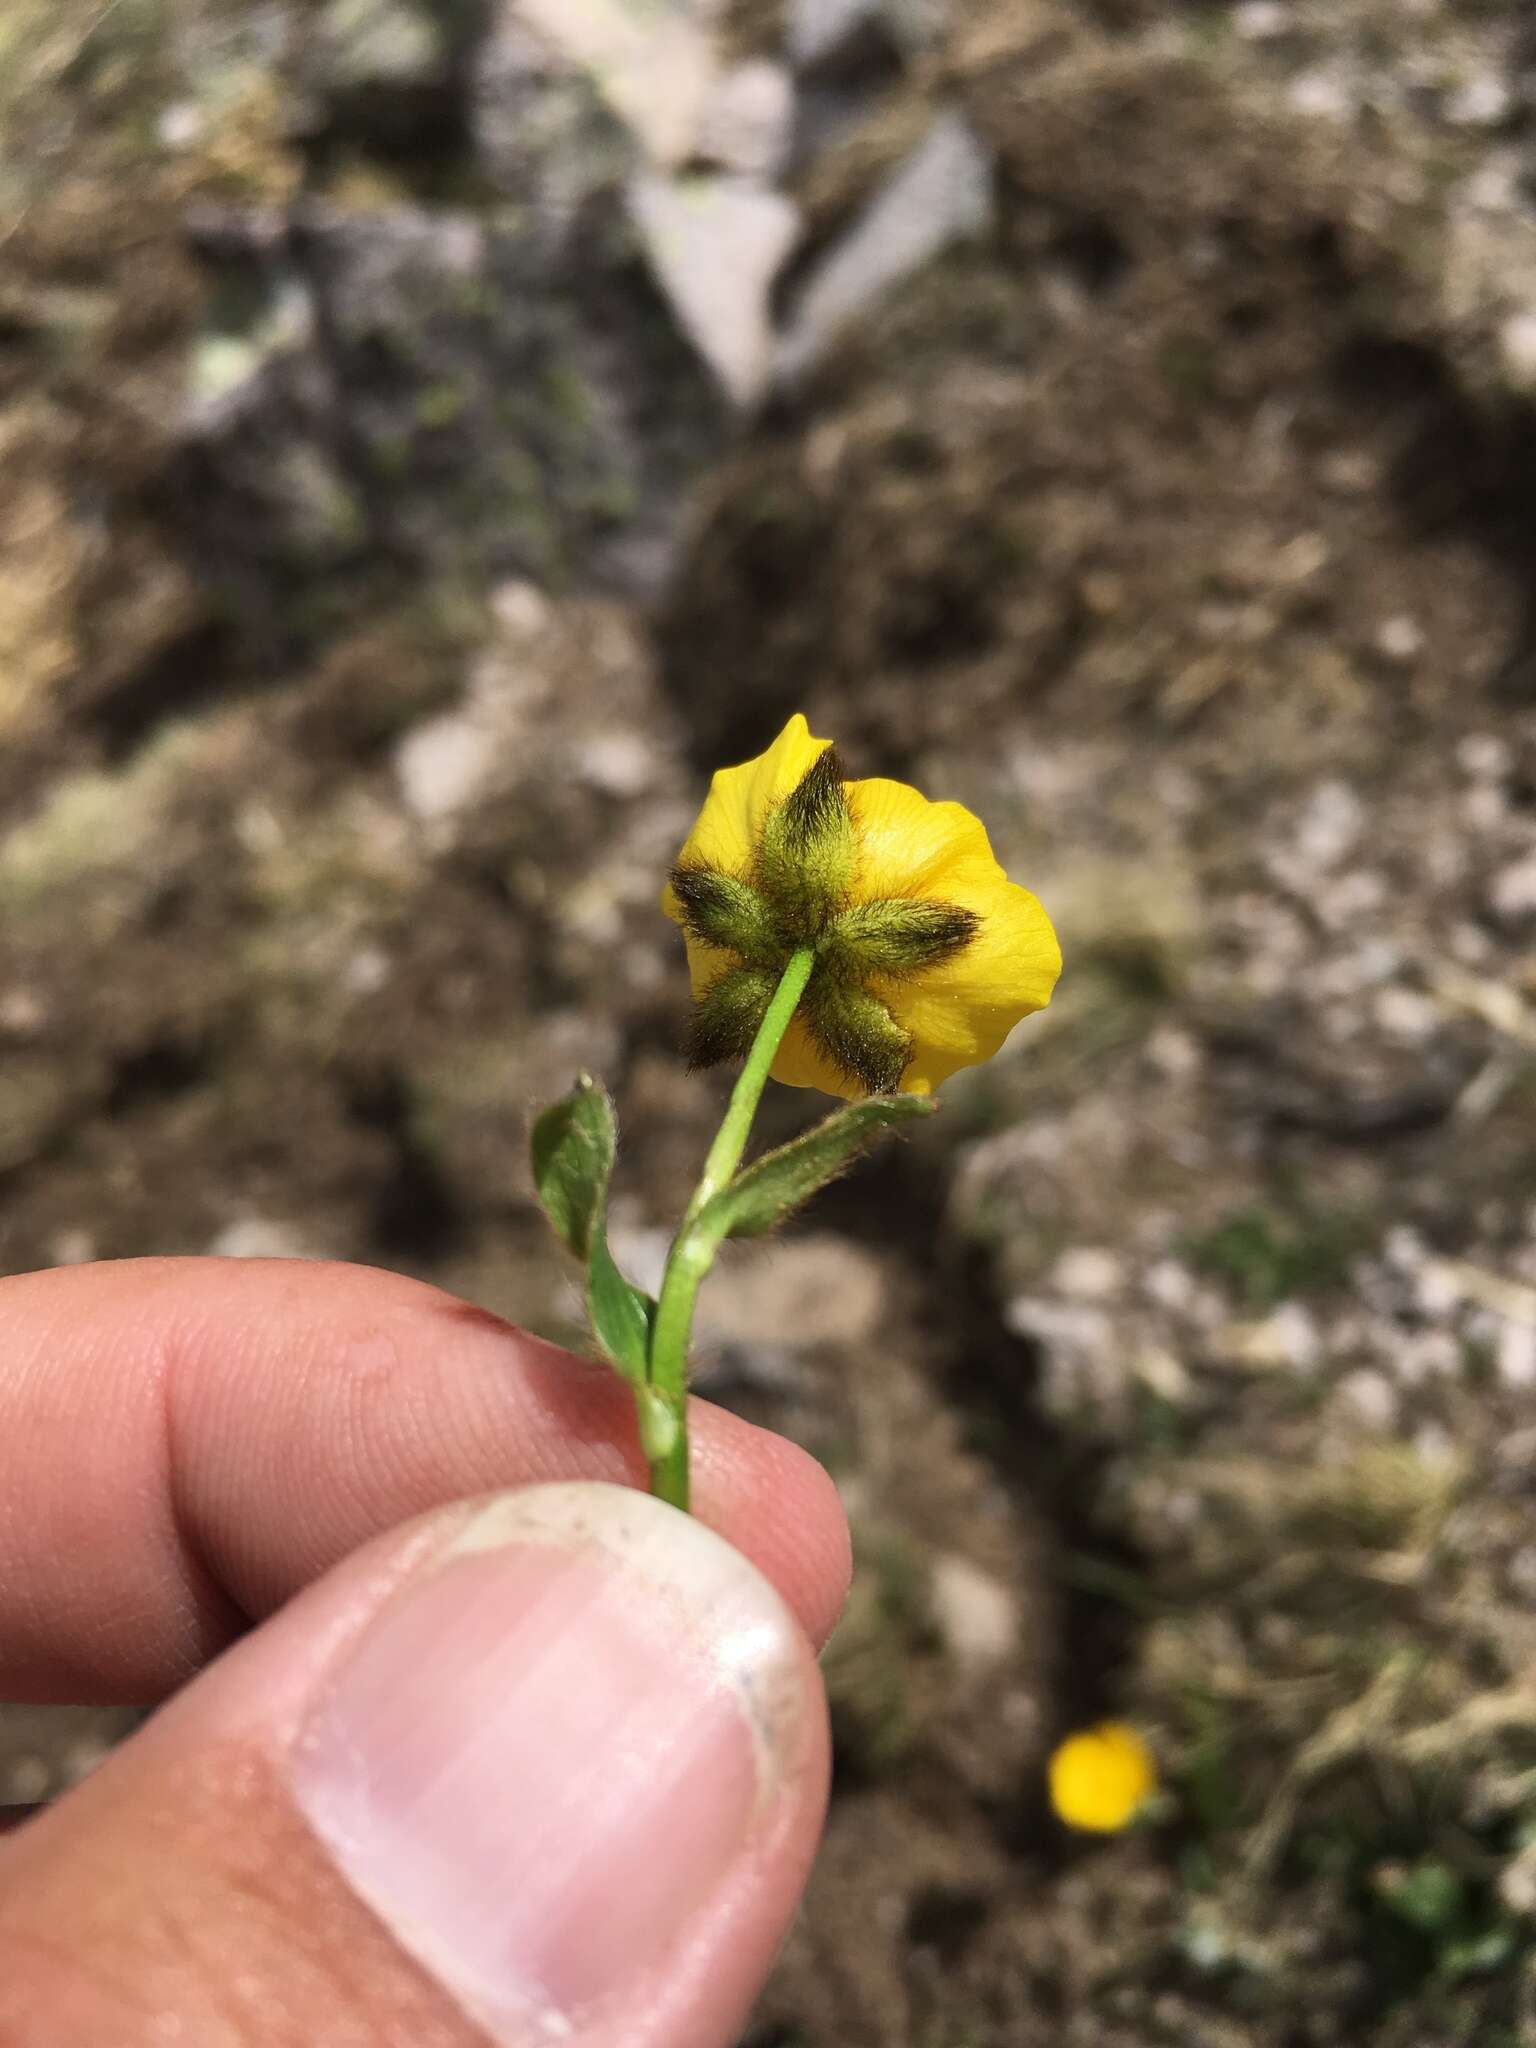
x=729, y=1014
x=898, y=936
x=718, y=910
x=805, y=857
x=857, y=1034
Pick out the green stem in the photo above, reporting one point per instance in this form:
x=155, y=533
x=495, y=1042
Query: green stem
x=693, y=1251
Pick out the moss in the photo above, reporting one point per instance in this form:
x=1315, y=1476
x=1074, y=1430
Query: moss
x=1266, y=1256
x=440, y=405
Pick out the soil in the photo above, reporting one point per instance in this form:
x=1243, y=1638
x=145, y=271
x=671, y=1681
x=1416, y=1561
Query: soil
x=1183, y=1369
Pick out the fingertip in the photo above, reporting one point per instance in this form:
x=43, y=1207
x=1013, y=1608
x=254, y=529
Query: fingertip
x=780, y=1506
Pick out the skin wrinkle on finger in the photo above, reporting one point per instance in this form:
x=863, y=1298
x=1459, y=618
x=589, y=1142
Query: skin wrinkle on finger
x=190, y=1441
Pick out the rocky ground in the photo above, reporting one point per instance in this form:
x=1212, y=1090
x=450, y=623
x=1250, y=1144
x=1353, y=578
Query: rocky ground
x=430, y=447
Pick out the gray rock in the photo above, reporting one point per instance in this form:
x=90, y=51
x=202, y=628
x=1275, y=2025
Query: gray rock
x=976, y=1615
x=1087, y=1273
x=261, y=1237
x=1513, y=893
x=716, y=245
x=747, y=124
x=510, y=394
x=654, y=65
x=544, y=134
x=940, y=195
x=362, y=43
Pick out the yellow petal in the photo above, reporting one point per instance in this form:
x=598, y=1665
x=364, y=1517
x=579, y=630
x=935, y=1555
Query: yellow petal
x=959, y=1013
x=798, y=1064
x=1101, y=1777
x=910, y=846
x=726, y=831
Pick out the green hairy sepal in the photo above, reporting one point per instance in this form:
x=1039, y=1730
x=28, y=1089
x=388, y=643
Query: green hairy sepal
x=803, y=865
x=898, y=937
x=718, y=910
x=729, y=1015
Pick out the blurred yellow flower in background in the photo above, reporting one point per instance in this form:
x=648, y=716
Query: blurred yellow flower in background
x=926, y=954
x=1101, y=1778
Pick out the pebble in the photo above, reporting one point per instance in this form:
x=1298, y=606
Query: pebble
x=1400, y=639
x=366, y=971
x=1260, y=21
x=1087, y=1273
x=975, y=1614
x=619, y=764
x=1485, y=757
x=1288, y=1337
x=443, y=764
x=748, y=122
x=1330, y=824
x=1420, y=1355
x=940, y=194
x=1371, y=1397
x=1517, y=349
x=1322, y=94
x=1407, y=1016
x=260, y=1237
x=23, y=1013
x=520, y=608
x=72, y=1248
x=27, y=1778
x=1513, y=892
x=1483, y=808
x=1515, y=1354
x=1170, y=1284
x=1482, y=102
x=716, y=244
x=655, y=65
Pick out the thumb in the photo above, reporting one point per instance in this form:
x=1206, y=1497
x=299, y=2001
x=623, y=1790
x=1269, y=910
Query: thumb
x=548, y=1766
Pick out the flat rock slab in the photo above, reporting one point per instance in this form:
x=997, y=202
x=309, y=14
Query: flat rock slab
x=939, y=195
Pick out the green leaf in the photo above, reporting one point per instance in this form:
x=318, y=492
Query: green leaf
x=774, y=1186
x=620, y=1314
x=574, y=1143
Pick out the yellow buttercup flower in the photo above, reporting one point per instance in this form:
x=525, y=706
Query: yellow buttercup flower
x=926, y=955
x=1101, y=1778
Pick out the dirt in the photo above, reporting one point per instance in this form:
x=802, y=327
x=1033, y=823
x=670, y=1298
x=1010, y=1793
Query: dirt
x=1183, y=1369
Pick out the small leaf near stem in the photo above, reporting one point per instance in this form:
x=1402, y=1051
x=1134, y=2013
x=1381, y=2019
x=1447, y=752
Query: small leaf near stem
x=772, y=1188
x=693, y=1252
x=574, y=1143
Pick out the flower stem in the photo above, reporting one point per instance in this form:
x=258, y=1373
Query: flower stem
x=693, y=1251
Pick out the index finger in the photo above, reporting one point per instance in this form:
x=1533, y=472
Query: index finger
x=184, y=1443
